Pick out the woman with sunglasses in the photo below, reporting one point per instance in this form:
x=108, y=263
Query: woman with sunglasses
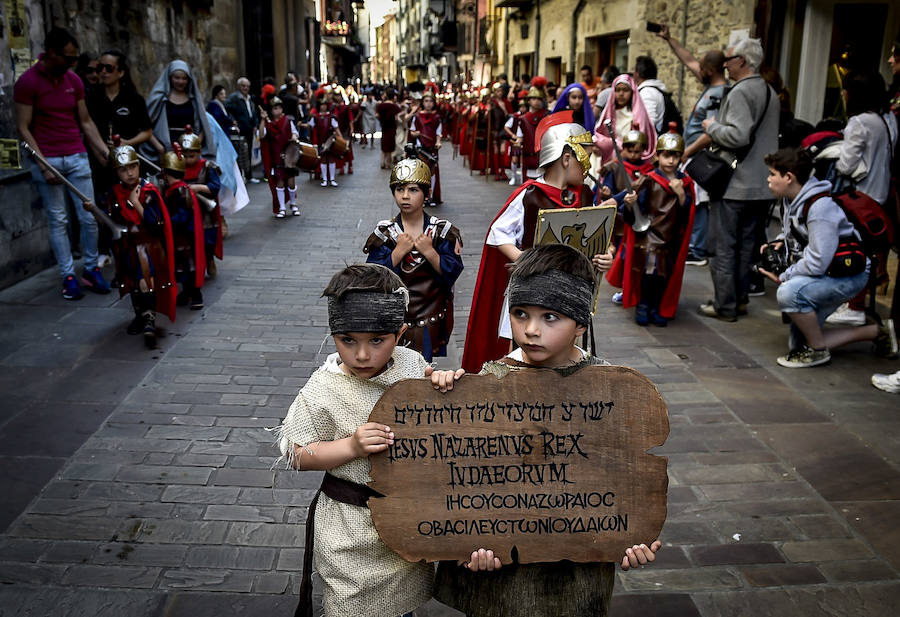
x=116, y=109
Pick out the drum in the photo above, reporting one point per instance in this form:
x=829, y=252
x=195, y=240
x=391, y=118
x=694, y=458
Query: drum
x=309, y=157
x=290, y=156
x=339, y=146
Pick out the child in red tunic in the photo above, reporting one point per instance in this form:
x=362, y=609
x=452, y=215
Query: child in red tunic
x=275, y=134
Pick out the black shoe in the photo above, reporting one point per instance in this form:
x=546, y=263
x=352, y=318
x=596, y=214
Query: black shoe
x=757, y=288
x=709, y=310
x=196, y=300
x=694, y=260
x=149, y=320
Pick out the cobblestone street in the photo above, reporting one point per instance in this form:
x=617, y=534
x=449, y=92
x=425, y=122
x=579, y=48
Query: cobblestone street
x=141, y=483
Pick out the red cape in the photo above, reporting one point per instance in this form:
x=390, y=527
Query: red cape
x=199, y=242
x=192, y=172
x=483, y=342
x=621, y=274
x=165, y=297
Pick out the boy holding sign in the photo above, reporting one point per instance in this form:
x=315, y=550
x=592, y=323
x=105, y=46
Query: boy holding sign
x=551, y=290
x=327, y=428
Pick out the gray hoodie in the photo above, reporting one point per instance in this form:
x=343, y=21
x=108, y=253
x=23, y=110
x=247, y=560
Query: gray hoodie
x=825, y=224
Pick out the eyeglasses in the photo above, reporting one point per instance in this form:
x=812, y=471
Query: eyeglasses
x=730, y=58
x=107, y=68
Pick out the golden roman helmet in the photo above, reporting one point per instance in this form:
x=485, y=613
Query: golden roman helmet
x=535, y=93
x=410, y=171
x=671, y=141
x=275, y=101
x=484, y=92
x=190, y=140
x=635, y=136
x=122, y=156
x=173, y=161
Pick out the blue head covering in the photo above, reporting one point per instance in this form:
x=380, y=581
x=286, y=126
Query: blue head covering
x=562, y=103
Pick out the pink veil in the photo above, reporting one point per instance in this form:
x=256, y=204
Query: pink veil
x=601, y=137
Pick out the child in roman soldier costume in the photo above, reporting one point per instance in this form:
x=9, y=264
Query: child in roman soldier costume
x=344, y=116
x=427, y=130
x=563, y=162
x=275, y=133
x=204, y=179
x=425, y=252
x=324, y=125
x=187, y=229
x=511, y=127
x=481, y=133
x=528, y=126
x=612, y=175
x=145, y=268
x=500, y=109
x=651, y=266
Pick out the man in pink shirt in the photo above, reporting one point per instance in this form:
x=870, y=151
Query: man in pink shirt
x=51, y=116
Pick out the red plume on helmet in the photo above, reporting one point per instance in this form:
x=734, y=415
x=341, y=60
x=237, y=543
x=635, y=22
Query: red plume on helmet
x=176, y=148
x=116, y=140
x=560, y=117
x=432, y=87
x=188, y=130
x=539, y=81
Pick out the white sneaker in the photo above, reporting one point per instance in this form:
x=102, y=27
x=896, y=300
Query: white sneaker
x=888, y=383
x=324, y=183
x=333, y=183
x=617, y=298
x=846, y=316
x=295, y=210
x=512, y=181
x=103, y=260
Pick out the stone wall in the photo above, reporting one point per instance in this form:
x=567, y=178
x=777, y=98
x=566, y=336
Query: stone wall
x=204, y=33
x=709, y=25
x=201, y=32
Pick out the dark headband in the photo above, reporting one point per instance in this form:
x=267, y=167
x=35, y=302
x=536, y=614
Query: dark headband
x=367, y=311
x=558, y=291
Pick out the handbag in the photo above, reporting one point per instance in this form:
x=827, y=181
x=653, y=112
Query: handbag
x=713, y=169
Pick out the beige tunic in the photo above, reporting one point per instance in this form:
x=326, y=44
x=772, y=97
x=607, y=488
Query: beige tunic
x=361, y=575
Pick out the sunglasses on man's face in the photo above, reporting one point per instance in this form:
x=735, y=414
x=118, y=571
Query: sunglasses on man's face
x=730, y=58
x=107, y=68
x=71, y=60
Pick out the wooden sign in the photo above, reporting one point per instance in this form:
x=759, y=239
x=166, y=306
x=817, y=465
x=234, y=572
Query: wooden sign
x=555, y=467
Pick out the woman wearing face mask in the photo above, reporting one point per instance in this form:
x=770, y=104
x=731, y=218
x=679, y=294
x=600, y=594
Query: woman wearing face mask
x=174, y=103
x=626, y=108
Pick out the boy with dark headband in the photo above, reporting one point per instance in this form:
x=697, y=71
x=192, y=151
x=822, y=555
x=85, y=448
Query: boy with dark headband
x=551, y=290
x=327, y=428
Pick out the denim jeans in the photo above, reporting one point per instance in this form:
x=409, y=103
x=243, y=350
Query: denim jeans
x=699, y=233
x=77, y=170
x=819, y=294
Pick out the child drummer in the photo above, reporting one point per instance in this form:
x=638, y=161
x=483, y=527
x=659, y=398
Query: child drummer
x=274, y=135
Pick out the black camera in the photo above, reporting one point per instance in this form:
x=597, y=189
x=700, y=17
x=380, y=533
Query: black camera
x=772, y=260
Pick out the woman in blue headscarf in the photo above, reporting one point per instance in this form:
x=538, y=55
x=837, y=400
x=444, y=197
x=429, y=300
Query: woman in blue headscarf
x=175, y=102
x=574, y=97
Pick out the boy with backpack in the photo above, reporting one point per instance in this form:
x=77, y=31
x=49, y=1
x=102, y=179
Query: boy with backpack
x=825, y=264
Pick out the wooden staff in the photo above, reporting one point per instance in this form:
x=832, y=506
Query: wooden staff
x=205, y=201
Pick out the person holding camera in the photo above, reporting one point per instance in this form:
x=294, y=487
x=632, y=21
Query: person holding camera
x=817, y=262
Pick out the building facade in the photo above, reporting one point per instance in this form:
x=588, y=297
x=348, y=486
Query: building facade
x=808, y=42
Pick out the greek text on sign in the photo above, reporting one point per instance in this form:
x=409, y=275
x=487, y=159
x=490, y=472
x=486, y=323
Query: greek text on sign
x=554, y=466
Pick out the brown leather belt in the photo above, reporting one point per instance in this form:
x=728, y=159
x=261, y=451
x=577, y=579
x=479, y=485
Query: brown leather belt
x=341, y=490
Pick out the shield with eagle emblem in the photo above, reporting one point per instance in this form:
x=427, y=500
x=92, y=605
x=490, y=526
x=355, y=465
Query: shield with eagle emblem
x=587, y=230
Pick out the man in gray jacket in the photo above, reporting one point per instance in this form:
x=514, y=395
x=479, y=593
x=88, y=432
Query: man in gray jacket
x=746, y=129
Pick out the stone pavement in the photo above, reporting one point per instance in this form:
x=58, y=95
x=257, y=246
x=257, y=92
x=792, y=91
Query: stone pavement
x=141, y=482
